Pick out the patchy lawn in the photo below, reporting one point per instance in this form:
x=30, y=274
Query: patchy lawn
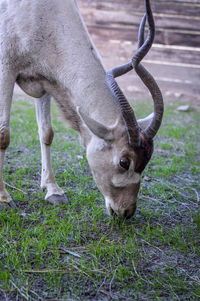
x=77, y=252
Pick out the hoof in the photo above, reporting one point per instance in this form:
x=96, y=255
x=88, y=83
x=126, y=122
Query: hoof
x=56, y=199
x=7, y=206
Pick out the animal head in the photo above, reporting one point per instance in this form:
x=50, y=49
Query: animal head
x=116, y=165
x=118, y=154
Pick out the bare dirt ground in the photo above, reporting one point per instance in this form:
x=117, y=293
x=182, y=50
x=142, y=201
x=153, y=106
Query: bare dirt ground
x=174, y=57
x=177, y=84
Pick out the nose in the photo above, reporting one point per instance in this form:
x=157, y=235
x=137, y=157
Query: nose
x=125, y=214
x=128, y=213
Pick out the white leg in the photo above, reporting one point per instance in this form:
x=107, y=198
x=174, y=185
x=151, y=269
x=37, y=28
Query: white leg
x=54, y=194
x=7, y=81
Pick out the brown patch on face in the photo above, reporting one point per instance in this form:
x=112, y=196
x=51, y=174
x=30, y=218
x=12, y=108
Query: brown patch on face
x=143, y=153
x=140, y=155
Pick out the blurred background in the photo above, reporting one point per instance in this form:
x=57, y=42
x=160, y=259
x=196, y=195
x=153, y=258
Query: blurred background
x=174, y=58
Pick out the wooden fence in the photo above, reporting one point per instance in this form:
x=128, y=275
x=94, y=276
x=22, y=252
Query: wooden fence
x=175, y=56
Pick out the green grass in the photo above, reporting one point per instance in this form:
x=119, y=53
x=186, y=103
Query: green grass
x=77, y=252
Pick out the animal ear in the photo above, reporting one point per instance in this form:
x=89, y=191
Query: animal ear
x=98, y=129
x=144, y=123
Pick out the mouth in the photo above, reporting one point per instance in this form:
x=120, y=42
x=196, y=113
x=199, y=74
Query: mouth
x=110, y=211
x=125, y=214
x=116, y=212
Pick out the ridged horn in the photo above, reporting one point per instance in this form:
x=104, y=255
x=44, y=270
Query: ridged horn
x=147, y=78
x=127, y=112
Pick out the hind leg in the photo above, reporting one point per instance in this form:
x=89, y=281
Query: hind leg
x=54, y=194
x=7, y=81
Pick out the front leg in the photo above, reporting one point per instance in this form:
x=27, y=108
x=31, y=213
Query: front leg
x=55, y=194
x=5, y=199
x=7, y=81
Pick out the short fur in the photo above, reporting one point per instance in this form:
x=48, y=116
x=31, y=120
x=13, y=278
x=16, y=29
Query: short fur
x=45, y=47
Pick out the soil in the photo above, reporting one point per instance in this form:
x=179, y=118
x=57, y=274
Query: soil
x=174, y=57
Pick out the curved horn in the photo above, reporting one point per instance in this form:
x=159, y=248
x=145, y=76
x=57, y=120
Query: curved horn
x=144, y=47
x=146, y=77
x=128, y=115
x=126, y=110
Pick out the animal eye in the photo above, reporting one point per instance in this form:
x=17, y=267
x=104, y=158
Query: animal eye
x=125, y=163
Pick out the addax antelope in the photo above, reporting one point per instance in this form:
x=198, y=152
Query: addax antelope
x=45, y=47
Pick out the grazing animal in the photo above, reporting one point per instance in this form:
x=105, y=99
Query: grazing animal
x=46, y=48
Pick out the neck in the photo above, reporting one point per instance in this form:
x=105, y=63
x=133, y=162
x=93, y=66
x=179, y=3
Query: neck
x=77, y=73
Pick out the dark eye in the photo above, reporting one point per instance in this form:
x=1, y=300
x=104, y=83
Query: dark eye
x=125, y=163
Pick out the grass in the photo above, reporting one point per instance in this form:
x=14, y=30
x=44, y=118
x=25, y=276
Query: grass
x=77, y=252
